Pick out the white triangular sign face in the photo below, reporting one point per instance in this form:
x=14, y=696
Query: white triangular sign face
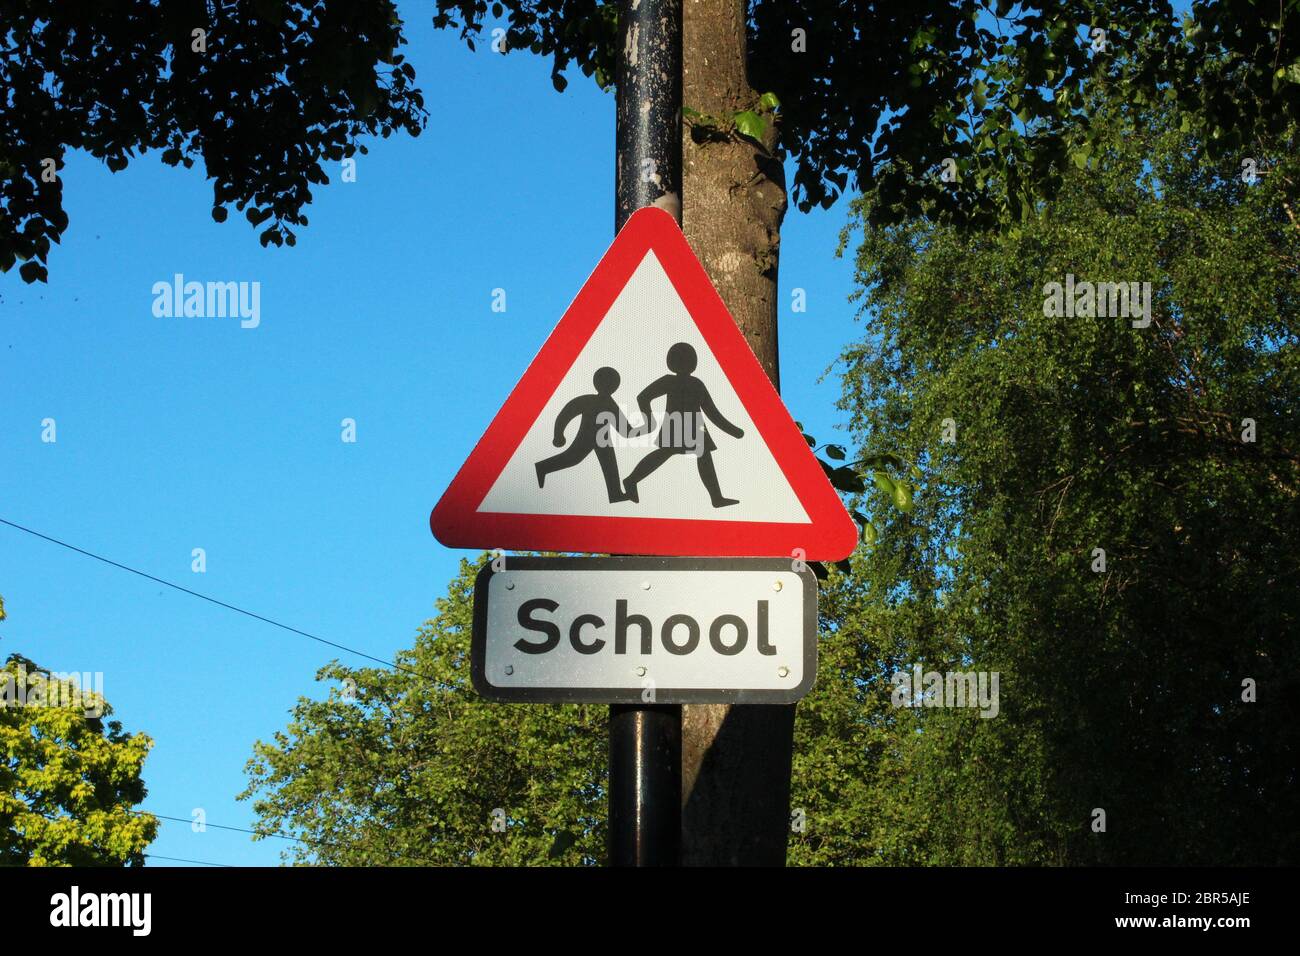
x=646, y=426
x=746, y=471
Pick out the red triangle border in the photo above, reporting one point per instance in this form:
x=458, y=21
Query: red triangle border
x=829, y=535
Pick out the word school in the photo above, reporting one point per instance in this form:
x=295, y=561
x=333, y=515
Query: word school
x=179, y=299
x=673, y=625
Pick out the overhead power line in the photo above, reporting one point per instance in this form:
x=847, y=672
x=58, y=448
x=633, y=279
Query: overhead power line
x=148, y=856
x=212, y=600
x=240, y=610
x=177, y=859
x=268, y=833
x=218, y=826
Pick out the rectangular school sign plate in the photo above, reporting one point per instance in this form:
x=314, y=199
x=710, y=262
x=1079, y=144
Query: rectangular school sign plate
x=637, y=630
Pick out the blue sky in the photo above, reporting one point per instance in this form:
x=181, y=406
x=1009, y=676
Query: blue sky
x=181, y=433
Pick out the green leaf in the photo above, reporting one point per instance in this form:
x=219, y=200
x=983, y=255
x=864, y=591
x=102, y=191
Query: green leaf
x=748, y=123
x=884, y=483
x=903, y=497
x=835, y=452
x=866, y=528
x=768, y=101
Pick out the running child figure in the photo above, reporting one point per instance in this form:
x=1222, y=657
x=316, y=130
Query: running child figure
x=599, y=416
x=683, y=431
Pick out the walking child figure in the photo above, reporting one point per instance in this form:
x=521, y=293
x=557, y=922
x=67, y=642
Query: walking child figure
x=683, y=431
x=598, y=415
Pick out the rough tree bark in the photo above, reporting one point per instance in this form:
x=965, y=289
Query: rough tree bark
x=735, y=759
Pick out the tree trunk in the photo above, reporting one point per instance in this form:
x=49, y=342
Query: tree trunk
x=735, y=759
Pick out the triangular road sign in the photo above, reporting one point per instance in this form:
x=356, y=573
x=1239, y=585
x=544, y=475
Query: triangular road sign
x=568, y=463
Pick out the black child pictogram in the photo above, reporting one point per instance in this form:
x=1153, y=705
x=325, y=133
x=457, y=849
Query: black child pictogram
x=598, y=414
x=683, y=431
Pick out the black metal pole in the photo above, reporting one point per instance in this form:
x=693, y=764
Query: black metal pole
x=645, y=740
x=645, y=784
x=648, y=136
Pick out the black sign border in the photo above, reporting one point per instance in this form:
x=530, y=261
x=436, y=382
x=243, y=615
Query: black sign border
x=632, y=695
